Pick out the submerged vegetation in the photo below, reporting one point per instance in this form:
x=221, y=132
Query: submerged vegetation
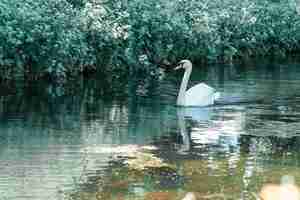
x=62, y=38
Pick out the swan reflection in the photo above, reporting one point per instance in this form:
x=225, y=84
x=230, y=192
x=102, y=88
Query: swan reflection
x=200, y=126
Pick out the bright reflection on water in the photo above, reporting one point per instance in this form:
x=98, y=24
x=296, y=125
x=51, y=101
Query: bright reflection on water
x=54, y=142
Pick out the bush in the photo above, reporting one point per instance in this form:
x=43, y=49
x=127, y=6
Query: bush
x=66, y=37
x=212, y=30
x=40, y=37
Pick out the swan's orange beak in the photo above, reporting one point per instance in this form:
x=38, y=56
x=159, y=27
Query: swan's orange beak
x=178, y=67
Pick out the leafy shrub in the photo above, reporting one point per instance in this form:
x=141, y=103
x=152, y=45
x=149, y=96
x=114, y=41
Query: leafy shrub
x=212, y=30
x=66, y=37
x=42, y=37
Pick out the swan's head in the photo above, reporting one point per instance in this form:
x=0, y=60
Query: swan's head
x=184, y=64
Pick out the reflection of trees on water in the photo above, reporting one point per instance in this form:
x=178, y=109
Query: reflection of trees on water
x=42, y=134
x=230, y=148
x=229, y=156
x=83, y=108
x=238, y=146
x=227, y=161
x=46, y=129
x=37, y=133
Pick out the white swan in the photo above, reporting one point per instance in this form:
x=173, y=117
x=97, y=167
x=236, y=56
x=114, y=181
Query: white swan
x=198, y=95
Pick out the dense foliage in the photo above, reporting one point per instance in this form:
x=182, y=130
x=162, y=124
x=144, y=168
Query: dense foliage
x=57, y=38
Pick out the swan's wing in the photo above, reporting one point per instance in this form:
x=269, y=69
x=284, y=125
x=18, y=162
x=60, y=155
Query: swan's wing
x=200, y=95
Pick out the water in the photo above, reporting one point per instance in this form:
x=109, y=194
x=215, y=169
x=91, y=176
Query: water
x=58, y=143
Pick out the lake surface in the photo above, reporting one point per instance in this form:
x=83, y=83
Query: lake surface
x=59, y=143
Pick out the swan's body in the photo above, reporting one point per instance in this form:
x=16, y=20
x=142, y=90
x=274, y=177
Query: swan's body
x=198, y=95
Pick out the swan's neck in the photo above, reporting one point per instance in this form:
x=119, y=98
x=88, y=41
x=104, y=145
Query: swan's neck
x=183, y=86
